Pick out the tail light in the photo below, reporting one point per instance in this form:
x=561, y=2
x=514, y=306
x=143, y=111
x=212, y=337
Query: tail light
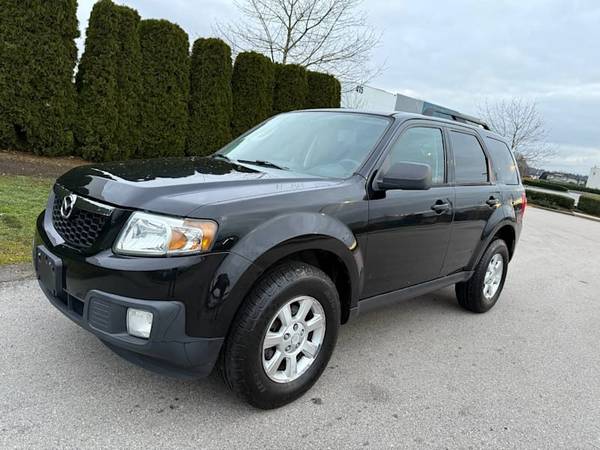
x=523, y=204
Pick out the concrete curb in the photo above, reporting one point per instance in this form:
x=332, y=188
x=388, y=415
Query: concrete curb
x=16, y=272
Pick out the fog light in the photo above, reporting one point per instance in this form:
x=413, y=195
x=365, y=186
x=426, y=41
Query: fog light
x=139, y=322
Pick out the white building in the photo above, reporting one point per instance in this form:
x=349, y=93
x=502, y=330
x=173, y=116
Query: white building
x=594, y=178
x=369, y=99
x=374, y=99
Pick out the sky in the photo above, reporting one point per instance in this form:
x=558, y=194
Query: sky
x=461, y=53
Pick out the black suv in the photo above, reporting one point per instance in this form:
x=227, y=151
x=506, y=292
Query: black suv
x=250, y=259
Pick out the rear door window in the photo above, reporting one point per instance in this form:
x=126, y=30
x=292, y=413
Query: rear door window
x=470, y=163
x=504, y=164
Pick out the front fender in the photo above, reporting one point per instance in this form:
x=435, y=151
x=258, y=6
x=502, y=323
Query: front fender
x=271, y=242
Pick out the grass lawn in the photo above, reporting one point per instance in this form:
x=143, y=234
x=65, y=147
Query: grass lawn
x=22, y=198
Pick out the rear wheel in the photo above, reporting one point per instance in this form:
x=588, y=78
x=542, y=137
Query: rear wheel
x=283, y=336
x=483, y=289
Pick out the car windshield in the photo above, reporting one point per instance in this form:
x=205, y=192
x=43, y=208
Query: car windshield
x=321, y=143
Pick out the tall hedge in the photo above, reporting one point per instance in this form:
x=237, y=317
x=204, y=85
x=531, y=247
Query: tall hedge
x=323, y=91
x=165, y=88
x=108, y=83
x=210, y=103
x=252, y=88
x=37, y=58
x=290, y=89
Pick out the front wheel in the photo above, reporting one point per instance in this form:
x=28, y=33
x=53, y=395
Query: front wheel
x=483, y=289
x=283, y=336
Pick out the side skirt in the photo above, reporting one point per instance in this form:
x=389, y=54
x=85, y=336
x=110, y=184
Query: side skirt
x=389, y=298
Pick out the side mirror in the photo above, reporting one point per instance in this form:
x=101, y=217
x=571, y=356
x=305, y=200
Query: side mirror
x=405, y=175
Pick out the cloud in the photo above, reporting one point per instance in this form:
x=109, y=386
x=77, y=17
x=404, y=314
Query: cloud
x=462, y=52
x=573, y=159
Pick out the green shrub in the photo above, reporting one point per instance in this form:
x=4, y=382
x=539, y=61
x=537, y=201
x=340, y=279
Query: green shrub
x=560, y=186
x=322, y=91
x=165, y=89
x=589, y=204
x=109, y=83
x=544, y=184
x=290, y=88
x=210, y=103
x=252, y=88
x=554, y=201
x=577, y=187
x=37, y=58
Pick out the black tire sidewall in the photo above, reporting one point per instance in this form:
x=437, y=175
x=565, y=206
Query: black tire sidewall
x=261, y=391
x=496, y=247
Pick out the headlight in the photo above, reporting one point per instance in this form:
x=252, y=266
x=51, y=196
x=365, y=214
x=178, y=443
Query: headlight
x=154, y=235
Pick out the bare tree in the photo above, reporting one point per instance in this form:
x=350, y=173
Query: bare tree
x=519, y=121
x=331, y=36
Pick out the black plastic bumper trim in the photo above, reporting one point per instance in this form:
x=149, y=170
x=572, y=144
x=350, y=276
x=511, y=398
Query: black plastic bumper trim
x=168, y=350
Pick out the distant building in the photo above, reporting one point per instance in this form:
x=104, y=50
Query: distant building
x=373, y=99
x=562, y=177
x=593, y=180
x=369, y=98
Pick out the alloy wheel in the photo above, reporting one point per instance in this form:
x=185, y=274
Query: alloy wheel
x=293, y=339
x=493, y=276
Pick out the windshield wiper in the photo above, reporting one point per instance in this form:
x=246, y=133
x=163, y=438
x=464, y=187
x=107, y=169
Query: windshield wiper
x=260, y=162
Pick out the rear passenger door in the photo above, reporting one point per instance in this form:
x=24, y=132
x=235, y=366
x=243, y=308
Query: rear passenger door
x=476, y=197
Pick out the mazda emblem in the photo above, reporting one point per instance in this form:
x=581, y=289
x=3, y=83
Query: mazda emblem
x=68, y=204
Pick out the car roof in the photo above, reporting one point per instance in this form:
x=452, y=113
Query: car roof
x=408, y=115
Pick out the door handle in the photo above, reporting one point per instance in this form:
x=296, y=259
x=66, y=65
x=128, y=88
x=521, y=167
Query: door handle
x=440, y=206
x=493, y=202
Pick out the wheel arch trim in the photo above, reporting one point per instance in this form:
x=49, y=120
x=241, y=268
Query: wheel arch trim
x=489, y=237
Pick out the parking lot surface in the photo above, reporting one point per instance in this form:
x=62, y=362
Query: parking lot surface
x=420, y=374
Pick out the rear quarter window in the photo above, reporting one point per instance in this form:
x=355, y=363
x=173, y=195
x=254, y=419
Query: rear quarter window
x=503, y=163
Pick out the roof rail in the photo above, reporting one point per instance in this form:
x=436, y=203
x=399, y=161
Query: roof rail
x=445, y=113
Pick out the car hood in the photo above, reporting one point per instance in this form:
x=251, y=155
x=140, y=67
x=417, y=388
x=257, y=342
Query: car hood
x=178, y=186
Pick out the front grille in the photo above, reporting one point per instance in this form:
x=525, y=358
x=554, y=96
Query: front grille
x=81, y=229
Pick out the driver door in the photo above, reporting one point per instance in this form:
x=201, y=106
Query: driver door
x=409, y=230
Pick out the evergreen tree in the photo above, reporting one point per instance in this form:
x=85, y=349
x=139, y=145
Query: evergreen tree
x=165, y=88
x=336, y=101
x=129, y=85
x=323, y=91
x=210, y=97
x=37, y=58
x=108, y=83
x=290, y=89
x=252, y=88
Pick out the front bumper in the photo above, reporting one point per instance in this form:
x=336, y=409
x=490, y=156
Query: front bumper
x=189, y=297
x=169, y=350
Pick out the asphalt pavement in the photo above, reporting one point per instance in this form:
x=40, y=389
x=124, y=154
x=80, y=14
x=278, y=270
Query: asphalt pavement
x=420, y=374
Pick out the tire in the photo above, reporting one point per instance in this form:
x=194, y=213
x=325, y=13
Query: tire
x=470, y=294
x=245, y=360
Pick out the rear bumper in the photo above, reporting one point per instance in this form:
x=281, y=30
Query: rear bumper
x=168, y=350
